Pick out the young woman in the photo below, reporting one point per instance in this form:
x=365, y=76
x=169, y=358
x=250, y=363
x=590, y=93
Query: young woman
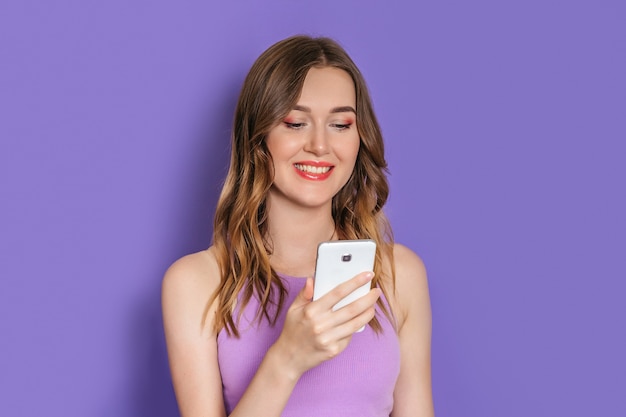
x=243, y=335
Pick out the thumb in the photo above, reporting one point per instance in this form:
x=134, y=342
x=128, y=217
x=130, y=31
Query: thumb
x=306, y=294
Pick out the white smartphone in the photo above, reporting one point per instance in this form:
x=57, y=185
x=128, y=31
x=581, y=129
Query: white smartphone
x=340, y=260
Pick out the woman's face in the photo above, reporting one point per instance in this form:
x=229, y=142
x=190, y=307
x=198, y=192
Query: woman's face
x=314, y=148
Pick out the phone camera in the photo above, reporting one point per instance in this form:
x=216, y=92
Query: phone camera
x=346, y=258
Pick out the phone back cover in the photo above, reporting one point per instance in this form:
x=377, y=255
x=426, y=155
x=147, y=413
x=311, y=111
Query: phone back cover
x=331, y=270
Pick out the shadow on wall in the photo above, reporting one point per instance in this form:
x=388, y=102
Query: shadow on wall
x=152, y=393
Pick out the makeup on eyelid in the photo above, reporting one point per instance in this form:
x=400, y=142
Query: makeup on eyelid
x=343, y=123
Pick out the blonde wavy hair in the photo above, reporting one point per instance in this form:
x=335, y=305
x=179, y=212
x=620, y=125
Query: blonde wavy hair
x=269, y=93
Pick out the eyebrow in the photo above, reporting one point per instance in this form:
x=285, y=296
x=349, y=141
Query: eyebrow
x=341, y=109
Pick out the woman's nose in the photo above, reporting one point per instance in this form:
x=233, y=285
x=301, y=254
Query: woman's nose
x=317, y=142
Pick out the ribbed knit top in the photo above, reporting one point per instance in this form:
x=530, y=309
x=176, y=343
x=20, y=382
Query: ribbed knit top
x=358, y=382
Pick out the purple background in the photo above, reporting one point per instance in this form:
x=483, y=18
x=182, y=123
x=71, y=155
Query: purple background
x=505, y=125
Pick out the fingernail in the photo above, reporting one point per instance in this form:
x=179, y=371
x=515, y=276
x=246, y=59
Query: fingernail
x=369, y=275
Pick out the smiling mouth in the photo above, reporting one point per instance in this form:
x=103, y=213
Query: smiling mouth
x=310, y=169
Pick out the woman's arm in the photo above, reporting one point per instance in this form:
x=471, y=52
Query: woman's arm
x=191, y=346
x=413, y=392
x=312, y=333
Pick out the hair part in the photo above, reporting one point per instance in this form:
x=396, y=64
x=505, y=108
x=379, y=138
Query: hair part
x=270, y=91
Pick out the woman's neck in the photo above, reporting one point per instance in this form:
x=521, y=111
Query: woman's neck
x=294, y=236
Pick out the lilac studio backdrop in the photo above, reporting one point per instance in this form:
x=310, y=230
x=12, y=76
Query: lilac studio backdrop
x=505, y=125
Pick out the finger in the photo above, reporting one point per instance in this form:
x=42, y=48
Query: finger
x=344, y=289
x=307, y=291
x=356, y=308
x=349, y=327
x=328, y=320
x=305, y=295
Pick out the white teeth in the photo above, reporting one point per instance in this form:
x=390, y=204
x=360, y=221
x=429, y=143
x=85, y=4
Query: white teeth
x=311, y=169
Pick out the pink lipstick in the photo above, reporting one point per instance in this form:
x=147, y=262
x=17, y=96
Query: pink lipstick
x=313, y=170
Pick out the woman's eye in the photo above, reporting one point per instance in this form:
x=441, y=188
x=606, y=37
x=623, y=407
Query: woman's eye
x=341, y=126
x=291, y=125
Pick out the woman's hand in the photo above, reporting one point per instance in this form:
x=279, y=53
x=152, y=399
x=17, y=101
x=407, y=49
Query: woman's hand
x=314, y=333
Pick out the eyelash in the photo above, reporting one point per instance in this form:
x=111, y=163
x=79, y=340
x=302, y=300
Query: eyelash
x=338, y=126
x=294, y=126
x=342, y=126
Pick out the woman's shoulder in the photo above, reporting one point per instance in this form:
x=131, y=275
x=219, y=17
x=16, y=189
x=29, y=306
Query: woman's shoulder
x=197, y=265
x=192, y=277
x=411, y=284
x=407, y=263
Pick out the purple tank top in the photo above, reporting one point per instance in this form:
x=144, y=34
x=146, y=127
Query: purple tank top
x=358, y=382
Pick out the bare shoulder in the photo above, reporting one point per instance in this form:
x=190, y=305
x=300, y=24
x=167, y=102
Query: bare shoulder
x=188, y=284
x=408, y=262
x=411, y=283
x=197, y=271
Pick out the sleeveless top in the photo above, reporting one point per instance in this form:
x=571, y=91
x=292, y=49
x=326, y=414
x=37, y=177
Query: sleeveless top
x=358, y=382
